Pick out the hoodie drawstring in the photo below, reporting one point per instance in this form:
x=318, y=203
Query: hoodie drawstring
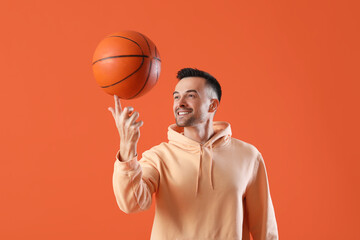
x=222, y=134
x=199, y=172
x=199, y=169
x=211, y=164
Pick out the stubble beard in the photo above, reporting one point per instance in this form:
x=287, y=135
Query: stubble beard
x=185, y=123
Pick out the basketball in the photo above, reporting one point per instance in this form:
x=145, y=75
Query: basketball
x=126, y=64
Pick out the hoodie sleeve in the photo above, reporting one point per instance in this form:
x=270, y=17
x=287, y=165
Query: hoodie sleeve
x=134, y=182
x=261, y=215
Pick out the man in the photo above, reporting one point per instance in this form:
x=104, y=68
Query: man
x=207, y=185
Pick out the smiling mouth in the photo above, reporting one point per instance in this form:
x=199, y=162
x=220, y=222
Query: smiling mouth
x=183, y=113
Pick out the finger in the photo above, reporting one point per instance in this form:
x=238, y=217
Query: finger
x=127, y=111
x=117, y=105
x=124, y=115
x=133, y=118
x=120, y=109
x=138, y=124
x=112, y=111
x=130, y=110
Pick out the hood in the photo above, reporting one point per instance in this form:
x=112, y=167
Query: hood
x=222, y=135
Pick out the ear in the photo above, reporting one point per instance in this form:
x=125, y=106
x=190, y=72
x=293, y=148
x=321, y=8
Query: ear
x=214, y=104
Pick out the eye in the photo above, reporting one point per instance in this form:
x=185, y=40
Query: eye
x=191, y=95
x=176, y=97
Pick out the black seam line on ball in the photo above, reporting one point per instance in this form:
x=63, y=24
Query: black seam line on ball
x=142, y=52
x=142, y=62
x=147, y=43
x=119, y=56
x=147, y=78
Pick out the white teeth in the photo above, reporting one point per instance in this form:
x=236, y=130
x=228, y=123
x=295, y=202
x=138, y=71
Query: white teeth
x=183, y=113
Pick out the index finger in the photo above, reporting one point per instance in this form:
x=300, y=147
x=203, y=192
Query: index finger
x=117, y=105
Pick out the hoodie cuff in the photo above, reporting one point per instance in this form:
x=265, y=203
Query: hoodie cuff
x=128, y=165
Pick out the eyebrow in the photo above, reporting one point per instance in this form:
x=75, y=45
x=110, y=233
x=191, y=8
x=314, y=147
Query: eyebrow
x=191, y=90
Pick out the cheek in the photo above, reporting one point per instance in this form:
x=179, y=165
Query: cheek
x=204, y=108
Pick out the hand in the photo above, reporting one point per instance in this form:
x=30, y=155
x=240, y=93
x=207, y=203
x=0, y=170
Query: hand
x=128, y=129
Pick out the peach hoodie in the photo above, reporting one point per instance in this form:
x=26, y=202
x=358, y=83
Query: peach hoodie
x=217, y=190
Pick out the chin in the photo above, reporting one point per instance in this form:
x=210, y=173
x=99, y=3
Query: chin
x=182, y=125
x=187, y=123
x=179, y=124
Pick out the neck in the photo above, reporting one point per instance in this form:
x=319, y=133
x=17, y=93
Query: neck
x=200, y=133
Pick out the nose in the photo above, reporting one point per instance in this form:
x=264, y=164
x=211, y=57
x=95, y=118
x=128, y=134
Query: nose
x=181, y=103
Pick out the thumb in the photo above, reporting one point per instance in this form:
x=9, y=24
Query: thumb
x=111, y=110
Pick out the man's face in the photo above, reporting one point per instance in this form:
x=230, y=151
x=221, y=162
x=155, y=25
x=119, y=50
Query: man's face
x=191, y=101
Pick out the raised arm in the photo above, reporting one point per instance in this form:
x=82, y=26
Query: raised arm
x=128, y=129
x=134, y=181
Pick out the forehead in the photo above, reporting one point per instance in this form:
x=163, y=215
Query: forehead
x=191, y=83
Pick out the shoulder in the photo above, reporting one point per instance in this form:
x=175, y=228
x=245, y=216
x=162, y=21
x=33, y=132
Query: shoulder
x=251, y=155
x=157, y=155
x=157, y=151
x=246, y=149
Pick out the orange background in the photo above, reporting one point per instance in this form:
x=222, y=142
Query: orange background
x=290, y=77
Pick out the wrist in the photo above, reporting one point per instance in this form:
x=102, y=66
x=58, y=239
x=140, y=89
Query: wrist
x=127, y=152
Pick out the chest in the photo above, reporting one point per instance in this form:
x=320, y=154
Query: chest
x=207, y=172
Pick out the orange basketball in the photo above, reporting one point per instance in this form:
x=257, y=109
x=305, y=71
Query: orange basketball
x=127, y=64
